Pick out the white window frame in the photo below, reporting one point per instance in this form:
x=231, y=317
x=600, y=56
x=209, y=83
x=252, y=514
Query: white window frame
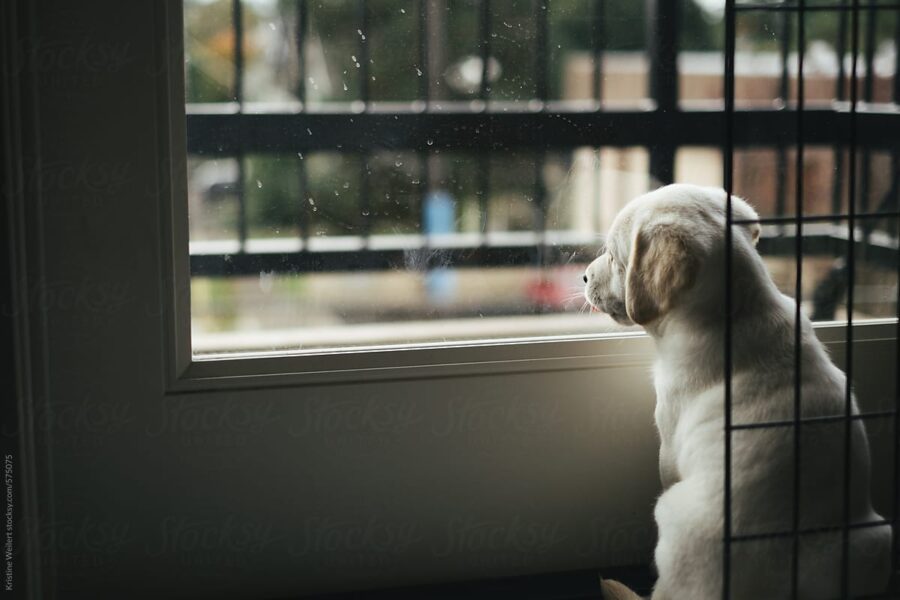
x=187, y=372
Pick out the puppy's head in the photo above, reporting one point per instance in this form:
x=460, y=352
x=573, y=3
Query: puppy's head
x=657, y=248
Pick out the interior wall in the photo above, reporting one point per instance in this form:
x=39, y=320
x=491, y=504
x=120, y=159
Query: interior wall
x=283, y=491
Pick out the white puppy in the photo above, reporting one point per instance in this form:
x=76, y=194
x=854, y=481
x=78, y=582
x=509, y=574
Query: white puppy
x=663, y=268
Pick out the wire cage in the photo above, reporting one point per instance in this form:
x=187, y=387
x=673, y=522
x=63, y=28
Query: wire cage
x=858, y=219
x=856, y=125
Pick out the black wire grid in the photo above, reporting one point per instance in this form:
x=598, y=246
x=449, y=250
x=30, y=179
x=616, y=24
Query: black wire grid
x=858, y=173
x=483, y=128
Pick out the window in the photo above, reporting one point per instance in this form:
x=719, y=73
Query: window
x=392, y=172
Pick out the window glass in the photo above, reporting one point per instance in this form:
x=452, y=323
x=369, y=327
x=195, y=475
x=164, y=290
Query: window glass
x=388, y=171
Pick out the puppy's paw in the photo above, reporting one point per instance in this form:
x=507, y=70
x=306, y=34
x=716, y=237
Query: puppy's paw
x=613, y=590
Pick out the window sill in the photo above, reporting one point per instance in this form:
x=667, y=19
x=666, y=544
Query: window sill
x=257, y=370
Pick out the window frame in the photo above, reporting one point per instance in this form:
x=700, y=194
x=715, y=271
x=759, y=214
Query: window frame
x=189, y=373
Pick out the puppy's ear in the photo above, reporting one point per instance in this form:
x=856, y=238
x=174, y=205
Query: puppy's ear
x=663, y=263
x=754, y=229
x=742, y=210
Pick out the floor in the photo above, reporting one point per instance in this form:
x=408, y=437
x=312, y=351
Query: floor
x=553, y=586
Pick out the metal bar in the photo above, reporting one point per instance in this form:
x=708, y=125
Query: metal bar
x=815, y=420
x=823, y=245
x=868, y=91
x=869, y=56
x=798, y=298
x=897, y=60
x=810, y=531
x=597, y=43
x=837, y=187
x=851, y=267
x=484, y=162
x=541, y=54
x=437, y=12
x=728, y=180
x=423, y=70
x=812, y=7
x=237, y=16
x=895, y=170
x=490, y=253
x=662, y=47
x=304, y=220
x=426, y=159
x=365, y=216
x=542, y=17
x=817, y=218
x=784, y=50
x=485, y=43
x=841, y=50
x=237, y=21
x=216, y=134
x=305, y=261
x=784, y=94
x=363, y=48
x=300, y=39
x=895, y=517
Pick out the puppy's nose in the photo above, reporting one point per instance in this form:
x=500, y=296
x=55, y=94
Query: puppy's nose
x=585, y=277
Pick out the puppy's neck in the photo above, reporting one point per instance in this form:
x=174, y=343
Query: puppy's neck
x=690, y=338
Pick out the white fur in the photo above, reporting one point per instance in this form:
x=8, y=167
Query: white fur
x=689, y=380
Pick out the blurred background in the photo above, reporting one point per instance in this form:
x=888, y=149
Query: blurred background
x=490, y=243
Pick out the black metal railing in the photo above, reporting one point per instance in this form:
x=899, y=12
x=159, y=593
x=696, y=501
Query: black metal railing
x=428, y=127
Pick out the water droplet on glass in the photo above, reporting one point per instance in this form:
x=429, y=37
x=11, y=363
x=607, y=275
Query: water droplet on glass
x=419, y=71
x=398, y=164
x=403, y=11
x=346, y=185
x=362, y=36
x=429, y=142
x=353, y=58
x=345, y=86
x=272, y=26
x=259, y=184
x=312, y=202
x=365, y=213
